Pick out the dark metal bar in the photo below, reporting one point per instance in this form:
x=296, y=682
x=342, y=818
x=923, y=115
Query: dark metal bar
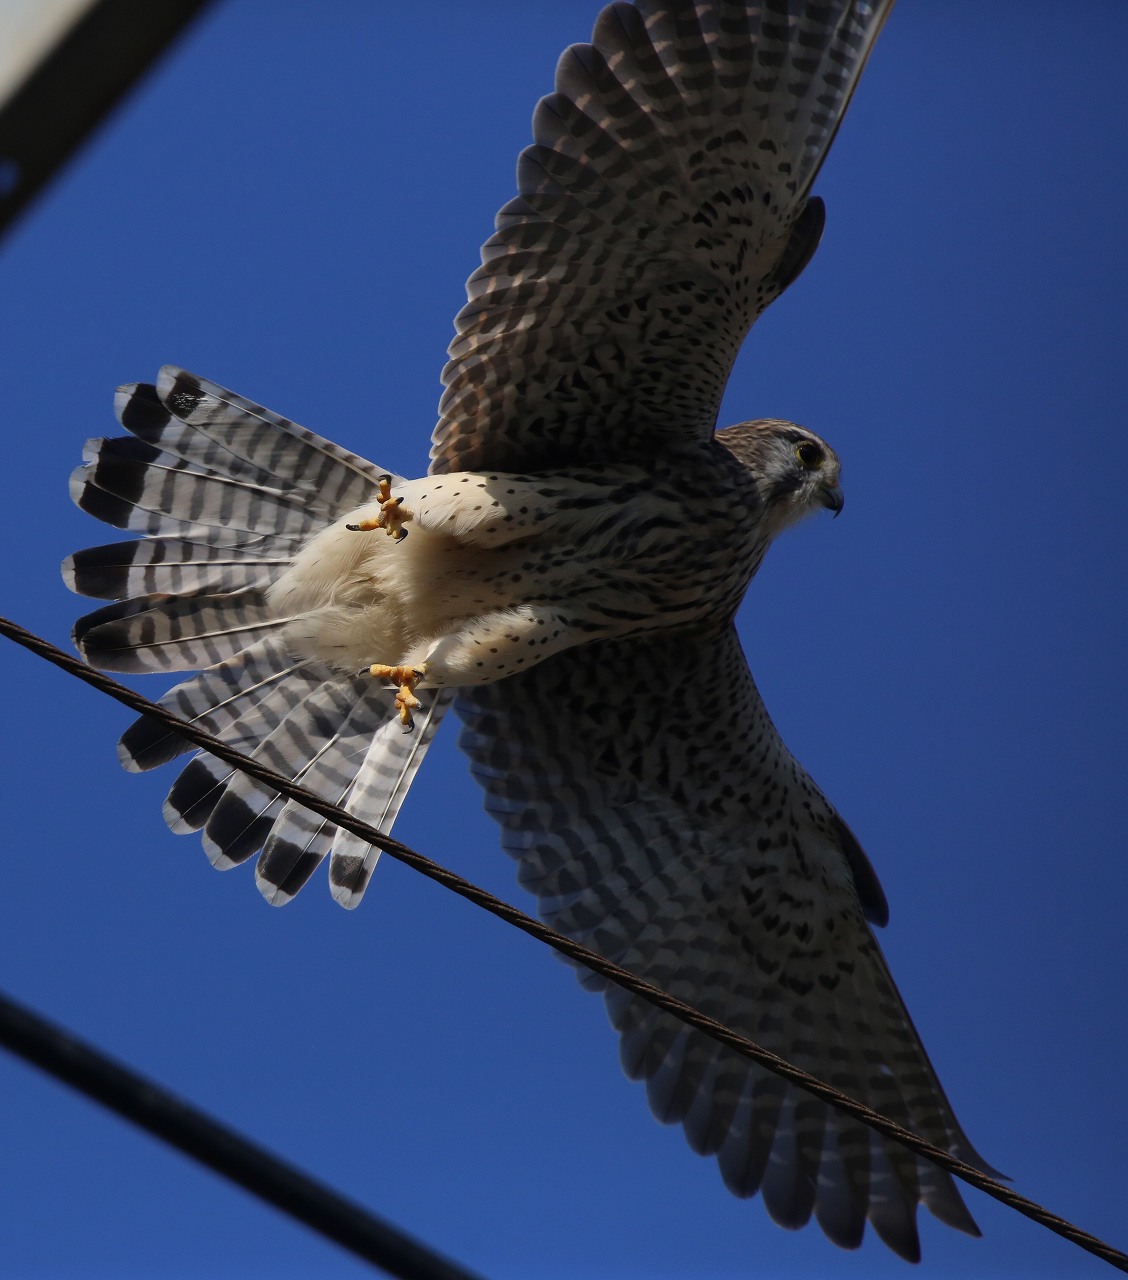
x=154, y=1109
x=76, y=86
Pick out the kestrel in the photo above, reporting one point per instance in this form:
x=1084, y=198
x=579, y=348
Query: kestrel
x=567, y=575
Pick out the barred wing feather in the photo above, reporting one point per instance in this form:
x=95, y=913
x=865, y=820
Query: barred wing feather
x=661, y=207
x=688, y=846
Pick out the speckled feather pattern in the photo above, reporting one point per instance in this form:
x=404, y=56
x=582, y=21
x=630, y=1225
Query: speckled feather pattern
x=574, y=561
x=653, y=224
x=676, y=835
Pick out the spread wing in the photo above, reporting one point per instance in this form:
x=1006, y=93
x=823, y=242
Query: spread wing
x=686, y=844
x=662, y=206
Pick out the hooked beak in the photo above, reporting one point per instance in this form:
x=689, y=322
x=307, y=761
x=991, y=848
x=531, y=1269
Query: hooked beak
x=832, y=497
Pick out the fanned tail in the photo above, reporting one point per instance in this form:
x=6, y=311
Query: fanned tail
x=224, y=494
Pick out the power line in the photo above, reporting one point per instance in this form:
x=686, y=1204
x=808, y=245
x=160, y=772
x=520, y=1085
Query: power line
x=575, y=951
x=205, y=1139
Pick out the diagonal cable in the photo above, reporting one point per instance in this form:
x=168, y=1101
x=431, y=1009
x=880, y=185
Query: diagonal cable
x=573, y=950
x=199, y=1135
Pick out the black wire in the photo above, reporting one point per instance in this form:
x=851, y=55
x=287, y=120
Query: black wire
x=147, y=1105
x=573, y=950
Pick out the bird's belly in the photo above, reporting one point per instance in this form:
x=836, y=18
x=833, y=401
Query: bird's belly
x=596, y=555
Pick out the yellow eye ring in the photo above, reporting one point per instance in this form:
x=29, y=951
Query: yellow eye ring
x=809, y=455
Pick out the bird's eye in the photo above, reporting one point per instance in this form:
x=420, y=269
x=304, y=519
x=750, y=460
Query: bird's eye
x=810, y=455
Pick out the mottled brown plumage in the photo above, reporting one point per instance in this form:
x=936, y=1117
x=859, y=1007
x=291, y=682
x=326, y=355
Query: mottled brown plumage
x=573, y=563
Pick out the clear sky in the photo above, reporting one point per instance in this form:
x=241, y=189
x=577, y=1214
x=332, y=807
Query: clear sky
x=290, y=206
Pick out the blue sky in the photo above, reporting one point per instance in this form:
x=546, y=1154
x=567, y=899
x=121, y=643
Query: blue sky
x=290, y=206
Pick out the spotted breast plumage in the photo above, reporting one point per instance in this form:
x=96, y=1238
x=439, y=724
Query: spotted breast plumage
x=566, y=576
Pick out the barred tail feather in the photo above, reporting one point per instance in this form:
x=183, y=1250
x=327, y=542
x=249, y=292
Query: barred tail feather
x=155, y=483
x=167, y=566
x=391, y=762
x=293, y=749
x=183, y=633
x=366, y=767
x=240, y=700
x=195, y=793
x=225, y=493
x=333, y=478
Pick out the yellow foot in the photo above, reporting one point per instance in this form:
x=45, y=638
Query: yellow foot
x=406, y=678
x=392, y=516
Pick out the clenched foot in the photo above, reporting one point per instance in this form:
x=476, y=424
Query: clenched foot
x=406, y=678
x=392, y=516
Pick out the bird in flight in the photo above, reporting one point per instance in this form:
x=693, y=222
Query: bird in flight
x=566, y=576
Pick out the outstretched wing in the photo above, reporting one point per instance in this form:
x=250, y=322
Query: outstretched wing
x=662, y=206
x=684, y=842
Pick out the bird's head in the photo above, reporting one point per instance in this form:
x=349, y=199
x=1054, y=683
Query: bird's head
x=795, y=471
